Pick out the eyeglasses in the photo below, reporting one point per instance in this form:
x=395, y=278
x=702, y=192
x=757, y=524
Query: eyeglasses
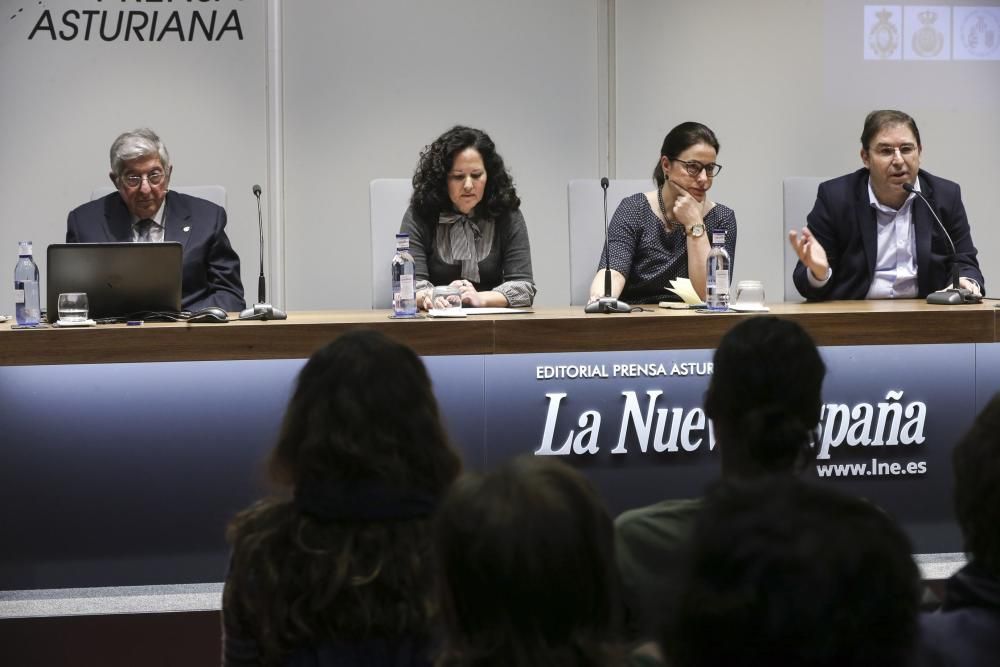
x=886, y=151
x=133, y=181
x=693, y=167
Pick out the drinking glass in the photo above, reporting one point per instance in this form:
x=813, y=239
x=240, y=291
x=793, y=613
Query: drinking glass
x=750, y=294
x=73, y=307
x=446, y=296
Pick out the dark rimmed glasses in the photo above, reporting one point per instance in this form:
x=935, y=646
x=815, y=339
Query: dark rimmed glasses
x=693, y=167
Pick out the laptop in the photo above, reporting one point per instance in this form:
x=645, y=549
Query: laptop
x=122, y=280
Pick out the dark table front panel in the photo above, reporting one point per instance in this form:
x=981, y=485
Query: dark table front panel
x=126, y=474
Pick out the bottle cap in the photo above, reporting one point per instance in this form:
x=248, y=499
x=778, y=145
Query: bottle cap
x=402, y=241
x=24, y=247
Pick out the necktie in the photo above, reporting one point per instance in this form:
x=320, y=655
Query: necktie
x=143, y=229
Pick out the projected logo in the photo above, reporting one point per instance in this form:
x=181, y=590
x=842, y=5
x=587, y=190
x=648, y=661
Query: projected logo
x=928, y=40
x=931, y=32
x=927, y=33
x=882, y=31
x=978, y=33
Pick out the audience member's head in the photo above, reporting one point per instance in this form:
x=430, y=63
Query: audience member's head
x=976, y=463
x=527, y=574
x=764, y=397
x=785, y=573
x=344, y=553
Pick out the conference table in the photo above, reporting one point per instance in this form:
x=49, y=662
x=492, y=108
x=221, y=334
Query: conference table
x=542, y=330
x=128, y=448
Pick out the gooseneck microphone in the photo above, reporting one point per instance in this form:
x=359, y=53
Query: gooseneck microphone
x=261, y=289
x=954, y=295
x=261, y=310
x=607, y=303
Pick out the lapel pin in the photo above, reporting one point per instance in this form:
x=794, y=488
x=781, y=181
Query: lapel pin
x=187, y=229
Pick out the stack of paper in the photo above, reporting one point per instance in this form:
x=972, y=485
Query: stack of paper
x=683, y=288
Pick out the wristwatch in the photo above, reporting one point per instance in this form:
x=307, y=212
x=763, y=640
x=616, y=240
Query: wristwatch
x=696, y=230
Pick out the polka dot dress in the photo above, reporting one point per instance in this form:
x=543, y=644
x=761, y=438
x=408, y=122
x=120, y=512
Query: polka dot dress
x=649, y=256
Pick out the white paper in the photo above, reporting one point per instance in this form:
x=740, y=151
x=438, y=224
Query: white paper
x=79, y=323
x=683, y=288
x=496, y=311
x=446, y=312
x=749, y=308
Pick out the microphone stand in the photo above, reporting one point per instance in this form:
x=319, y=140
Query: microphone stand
x=607, y=303
x=261, y=310
x=956, y=294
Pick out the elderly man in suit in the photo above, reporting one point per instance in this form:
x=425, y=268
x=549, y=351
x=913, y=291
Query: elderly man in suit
x=869, y=238
x=144, y=209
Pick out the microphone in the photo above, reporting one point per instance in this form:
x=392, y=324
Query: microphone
x=607, y=303
x=954, y=295
x=261, y=310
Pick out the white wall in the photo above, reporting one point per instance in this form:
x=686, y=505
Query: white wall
x=784, y=86
x=62, y=103
x=369, y=83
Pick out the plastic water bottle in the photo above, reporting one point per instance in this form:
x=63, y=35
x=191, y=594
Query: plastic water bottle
x=27, y=298
x=717, y=272
x=404, y=297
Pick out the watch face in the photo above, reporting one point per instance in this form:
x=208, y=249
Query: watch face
x=697, y=230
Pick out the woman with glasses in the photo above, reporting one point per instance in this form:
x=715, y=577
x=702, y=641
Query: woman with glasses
x=465, y=224
x=655, y=237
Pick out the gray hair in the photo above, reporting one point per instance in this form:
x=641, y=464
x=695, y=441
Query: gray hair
x=138, y=143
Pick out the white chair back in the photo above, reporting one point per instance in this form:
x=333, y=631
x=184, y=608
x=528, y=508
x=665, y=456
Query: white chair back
x=213, y=193
x=798, y=197
x=586, y=227
x=388, y=200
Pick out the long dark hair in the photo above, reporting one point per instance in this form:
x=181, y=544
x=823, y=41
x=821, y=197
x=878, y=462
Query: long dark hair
x=976, y=466
x=362, y=413
x=782, y=572
x=430, y=181
x=678, y=140
x=526, y=569
x=764, y=397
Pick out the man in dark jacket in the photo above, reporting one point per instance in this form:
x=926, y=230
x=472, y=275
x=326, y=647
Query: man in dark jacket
x=145, y=210
x=869, y=238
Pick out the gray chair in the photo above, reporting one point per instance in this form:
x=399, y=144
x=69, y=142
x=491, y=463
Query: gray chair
x=586, y=228
x=798, y=196
x=213, y=193
x=388, y=200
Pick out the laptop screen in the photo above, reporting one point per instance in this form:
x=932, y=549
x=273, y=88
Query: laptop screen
x=122, y=280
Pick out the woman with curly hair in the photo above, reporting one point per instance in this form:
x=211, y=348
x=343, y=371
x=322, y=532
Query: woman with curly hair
x=335, y=569
x=465, y=224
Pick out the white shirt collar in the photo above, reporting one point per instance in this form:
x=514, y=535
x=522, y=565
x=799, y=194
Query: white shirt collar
x=873, y=200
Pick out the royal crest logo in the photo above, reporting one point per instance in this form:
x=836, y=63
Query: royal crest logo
x=928, y=40
x=981, y=34
x=883, y=38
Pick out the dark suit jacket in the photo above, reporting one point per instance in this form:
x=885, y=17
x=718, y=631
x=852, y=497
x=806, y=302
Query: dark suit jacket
x=211, y=266
x=844, y=222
